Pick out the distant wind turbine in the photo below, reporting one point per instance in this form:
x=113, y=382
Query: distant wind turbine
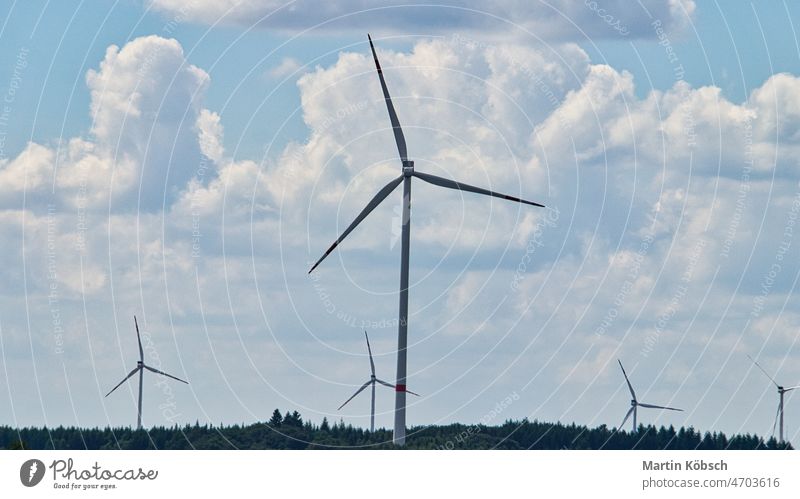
x=781, y=391
x=140, y=367
x=635, y=404
x=372, y=381
x=399, y=436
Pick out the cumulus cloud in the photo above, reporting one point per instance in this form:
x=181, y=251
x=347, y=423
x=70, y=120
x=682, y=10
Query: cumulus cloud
x=143, y=145
x=650, y=190
x=287, y=66
x=562, y=19
x=31, y=169
x=210, y=135
x=667, y=215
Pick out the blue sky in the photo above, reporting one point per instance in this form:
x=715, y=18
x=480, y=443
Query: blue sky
x=733, y=45
x=726, y=47
x=186, y=165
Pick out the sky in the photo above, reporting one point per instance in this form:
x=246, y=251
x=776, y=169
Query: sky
x=186, y=162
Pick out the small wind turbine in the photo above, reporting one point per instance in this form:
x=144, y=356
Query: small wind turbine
x=781, y=391
x=140, y=367
x=635, y=404
x=408, y=172
x=372, y=381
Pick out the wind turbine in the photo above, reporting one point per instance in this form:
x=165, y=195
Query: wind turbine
x=372, y=381
x=408, y=171
x=781, y=391
x=635, y=404
x=140, y=367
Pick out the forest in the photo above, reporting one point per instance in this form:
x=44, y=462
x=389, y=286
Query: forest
x=289, y=431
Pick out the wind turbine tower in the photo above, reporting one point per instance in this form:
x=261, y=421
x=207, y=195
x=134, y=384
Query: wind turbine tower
x=373, y=380
x=781, y=391
x=140, y=367
x=635, y=404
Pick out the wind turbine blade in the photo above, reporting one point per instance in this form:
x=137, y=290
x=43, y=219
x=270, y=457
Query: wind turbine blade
x=135, y=370
x=164, y=374
x=380, y=196
x=354, y=395
x=763, y=371
x=371, y=363
x=651, y=406
x=398, y=132
x=139, y=338
x=628, y=415
x=460, y=186
x=791, y=388
x=384, y=383
x=633, y=394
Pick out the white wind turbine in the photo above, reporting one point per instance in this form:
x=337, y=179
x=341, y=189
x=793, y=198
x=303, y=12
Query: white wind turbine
x=635, y=404
x=372, y=381
x=408, y=171
x=140, y=367
x=781, y=391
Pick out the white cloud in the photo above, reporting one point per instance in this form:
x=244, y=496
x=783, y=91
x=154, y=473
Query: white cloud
x=619, y=169
x=143, y=146
x=210, y=135
x=31, y=169
x=288, y=66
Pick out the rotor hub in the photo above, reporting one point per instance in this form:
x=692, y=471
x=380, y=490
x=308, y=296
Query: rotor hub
x=408, y=168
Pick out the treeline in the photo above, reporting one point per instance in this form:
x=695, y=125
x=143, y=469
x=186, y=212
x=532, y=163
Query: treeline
x=289, y=431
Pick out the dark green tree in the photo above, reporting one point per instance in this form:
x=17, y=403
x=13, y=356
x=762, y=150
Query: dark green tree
x=276, y=419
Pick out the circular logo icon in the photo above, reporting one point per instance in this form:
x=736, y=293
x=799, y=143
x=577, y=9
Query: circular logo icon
x=31, y=472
